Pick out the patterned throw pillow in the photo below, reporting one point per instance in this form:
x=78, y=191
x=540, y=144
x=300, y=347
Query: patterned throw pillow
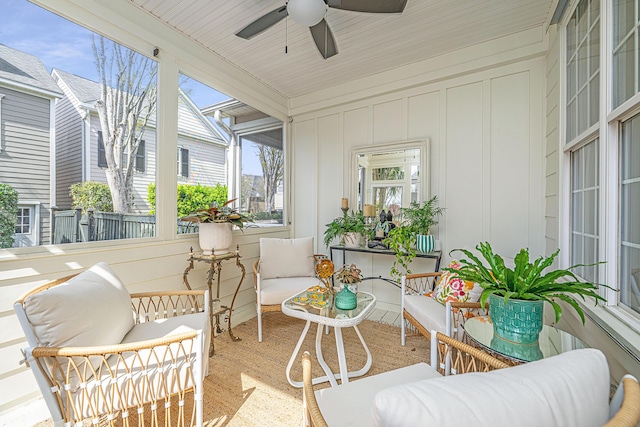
x=451, y=288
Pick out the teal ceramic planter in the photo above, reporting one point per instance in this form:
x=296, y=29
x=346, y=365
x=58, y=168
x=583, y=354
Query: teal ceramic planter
x=425, y=243
x=346, y=300
x=519, y=321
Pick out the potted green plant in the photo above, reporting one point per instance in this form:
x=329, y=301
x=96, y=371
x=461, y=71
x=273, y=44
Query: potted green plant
x=413, y=234
x=519, y=292
x=349, y=228
x=215, y=224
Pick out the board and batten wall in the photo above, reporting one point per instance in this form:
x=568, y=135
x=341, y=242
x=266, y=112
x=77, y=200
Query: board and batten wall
x=485, y=129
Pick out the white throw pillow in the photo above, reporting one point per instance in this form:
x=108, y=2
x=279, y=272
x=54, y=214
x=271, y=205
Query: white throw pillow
x=286, y=258
x=91, y=309
x=571, y=389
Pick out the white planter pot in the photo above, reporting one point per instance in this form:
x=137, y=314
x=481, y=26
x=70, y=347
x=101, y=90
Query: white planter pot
x=352, y=240
x=216, y=237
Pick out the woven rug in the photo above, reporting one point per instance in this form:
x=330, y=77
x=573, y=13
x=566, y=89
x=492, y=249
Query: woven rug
x=247, y=384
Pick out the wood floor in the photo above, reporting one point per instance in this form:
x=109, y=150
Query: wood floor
x=383, y=316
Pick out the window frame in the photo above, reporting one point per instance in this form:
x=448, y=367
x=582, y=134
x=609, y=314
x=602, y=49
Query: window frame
x=608, y=131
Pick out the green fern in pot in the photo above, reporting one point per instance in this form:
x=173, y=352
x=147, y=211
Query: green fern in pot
x=527, y=280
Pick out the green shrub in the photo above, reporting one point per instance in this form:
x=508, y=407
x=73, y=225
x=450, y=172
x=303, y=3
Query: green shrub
x=91, y=195
x=192, y=197
x=8, y=215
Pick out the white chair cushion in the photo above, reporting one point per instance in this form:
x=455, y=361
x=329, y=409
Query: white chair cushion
x=427, y=311
x=174, y=325
x=274, y=291
x=152, y=373
x=571, y=389
x=74, y=313
x=351, y=404
x=286, y=257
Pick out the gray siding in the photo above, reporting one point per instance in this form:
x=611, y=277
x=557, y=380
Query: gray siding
x=68, y=151
x=24, y=159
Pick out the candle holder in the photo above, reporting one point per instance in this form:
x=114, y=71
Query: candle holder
x=344, y=211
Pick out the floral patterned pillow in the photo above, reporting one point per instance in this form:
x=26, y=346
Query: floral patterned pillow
x=451, y=288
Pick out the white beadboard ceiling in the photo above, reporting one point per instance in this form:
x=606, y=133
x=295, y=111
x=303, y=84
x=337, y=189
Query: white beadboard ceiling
x=367, y=43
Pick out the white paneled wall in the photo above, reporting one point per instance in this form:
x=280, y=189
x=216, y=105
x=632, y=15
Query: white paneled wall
x=486, y=141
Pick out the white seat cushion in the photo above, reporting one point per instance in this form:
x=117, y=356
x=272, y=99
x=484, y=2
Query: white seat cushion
x=427, y=311
x=351, y=404
x=287, y=258
x=274, y=291
x=174, y=325
x=151, y=376
x=571, y=389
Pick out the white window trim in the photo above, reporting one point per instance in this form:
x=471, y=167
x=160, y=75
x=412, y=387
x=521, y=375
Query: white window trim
x=35, y=205
x=1, y=138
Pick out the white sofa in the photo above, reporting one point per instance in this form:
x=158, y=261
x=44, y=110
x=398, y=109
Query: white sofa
x=571, y=389
x=96, y=350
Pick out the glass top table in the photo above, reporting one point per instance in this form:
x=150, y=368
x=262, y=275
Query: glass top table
x=338, y=319
x=552, y=341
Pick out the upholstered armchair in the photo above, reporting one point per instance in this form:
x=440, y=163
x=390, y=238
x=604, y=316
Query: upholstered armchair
x=99, y=353
x=285, y=267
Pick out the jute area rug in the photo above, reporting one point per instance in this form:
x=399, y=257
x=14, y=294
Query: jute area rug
x=247, y=384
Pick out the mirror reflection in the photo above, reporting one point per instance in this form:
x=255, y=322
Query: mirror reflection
x=390, y=177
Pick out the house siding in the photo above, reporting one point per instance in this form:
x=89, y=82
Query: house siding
x=68, y=151
x=25, y=133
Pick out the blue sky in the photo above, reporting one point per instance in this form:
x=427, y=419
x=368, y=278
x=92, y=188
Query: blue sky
x=29, y=28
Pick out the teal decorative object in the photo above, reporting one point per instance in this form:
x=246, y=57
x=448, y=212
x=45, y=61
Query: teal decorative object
x=345, y=299
x=425, y=243
x=519, y=321
x=526, y=352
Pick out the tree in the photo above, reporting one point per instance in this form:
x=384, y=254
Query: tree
x=272, y=162
x=127, y=102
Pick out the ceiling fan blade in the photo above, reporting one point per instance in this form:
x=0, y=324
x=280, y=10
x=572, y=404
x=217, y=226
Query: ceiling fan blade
x=370, y=6
x=262, y=23
x=323, y=37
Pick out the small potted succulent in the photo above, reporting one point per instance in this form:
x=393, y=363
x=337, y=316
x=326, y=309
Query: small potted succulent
x=350, y=276
x=215, y=225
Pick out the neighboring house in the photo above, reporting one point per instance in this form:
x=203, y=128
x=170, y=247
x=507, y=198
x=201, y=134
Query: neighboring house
x=27, y=112
x=80, y=153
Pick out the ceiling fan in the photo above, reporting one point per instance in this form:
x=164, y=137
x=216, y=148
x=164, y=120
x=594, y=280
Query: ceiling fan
x=311, y=13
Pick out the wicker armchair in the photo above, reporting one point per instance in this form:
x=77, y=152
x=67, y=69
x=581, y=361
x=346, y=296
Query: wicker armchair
x=451, y=357
x=153, y=375
x=569, y=389
x=421, y=315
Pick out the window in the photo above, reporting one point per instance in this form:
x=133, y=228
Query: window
x=57, y=107
x=262, y=192
x=102, y=155
x=228, y=150
x=23, y=224
x=183, y=162
x=140, y=158
x=630, y=214
x=584, y=210
x=583, y=68
x=602, y=150
x=625, y=50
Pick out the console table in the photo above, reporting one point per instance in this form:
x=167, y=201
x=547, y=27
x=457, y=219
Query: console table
x=437, y=255
x=215, y=268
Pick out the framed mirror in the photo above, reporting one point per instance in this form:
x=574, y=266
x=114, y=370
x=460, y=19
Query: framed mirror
x=390, y=176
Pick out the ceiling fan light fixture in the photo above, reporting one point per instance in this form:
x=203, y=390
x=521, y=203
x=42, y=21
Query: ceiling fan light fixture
x=307, y=12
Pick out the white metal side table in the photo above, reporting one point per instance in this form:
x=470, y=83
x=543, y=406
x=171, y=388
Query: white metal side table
x=338, y=319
